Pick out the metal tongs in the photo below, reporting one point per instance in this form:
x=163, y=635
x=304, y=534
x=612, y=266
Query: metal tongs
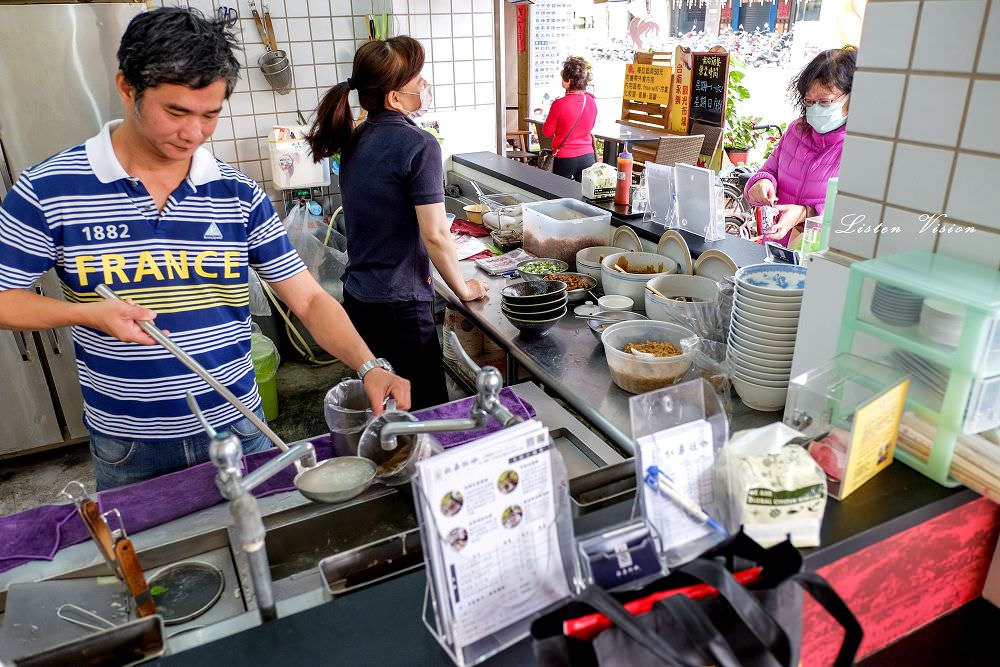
x=114, y=545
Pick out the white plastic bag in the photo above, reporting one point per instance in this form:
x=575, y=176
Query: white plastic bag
x=325, y=263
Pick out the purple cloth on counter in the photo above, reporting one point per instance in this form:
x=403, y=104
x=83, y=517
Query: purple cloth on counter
x=40, y=532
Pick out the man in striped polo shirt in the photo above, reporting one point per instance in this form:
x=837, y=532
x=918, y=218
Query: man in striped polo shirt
x=145, y=210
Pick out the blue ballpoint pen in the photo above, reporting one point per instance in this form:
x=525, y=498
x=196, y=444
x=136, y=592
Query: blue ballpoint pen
x=658, y=480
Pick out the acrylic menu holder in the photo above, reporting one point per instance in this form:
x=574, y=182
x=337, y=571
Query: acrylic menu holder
x=699, y=209
x=681, y=429
x=480, y=603
x=661, y=206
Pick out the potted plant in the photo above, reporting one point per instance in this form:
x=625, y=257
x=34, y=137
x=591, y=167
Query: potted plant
x=739, y=137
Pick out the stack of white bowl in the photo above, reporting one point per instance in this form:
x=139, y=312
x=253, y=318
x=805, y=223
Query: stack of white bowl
x=941, y=322
x=766, y=310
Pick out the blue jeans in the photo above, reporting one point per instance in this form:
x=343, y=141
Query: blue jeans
x=120, y=462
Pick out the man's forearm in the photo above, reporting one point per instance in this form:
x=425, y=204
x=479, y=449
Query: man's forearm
x=25, y=310
x=329, y=324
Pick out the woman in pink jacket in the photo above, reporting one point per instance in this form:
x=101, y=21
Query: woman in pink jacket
x=794, y=178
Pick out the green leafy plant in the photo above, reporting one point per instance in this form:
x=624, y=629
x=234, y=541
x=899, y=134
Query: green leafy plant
x=740, y=133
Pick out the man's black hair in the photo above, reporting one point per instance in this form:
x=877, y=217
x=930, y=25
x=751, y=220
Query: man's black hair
x=180, y=46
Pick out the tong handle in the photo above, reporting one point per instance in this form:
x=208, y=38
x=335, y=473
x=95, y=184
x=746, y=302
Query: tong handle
x=100, y=531
x=134, y=579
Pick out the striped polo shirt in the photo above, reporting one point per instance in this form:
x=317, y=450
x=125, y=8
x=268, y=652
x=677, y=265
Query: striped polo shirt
x=80, y=212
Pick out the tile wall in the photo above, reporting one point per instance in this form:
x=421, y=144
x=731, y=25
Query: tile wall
x=923, y=136
x=321, y=37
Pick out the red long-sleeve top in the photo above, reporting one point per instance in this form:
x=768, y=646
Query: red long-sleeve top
x=562, y=115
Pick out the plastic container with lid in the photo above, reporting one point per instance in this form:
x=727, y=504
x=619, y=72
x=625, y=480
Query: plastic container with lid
x=265, y=367
x=559, y=228
x=636, y=374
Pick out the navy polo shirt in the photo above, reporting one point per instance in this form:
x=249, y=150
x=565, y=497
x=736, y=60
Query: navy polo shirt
x=391, y=166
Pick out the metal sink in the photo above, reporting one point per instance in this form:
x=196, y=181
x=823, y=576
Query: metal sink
x=298, y=539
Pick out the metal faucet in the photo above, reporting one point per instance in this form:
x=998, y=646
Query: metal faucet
x=226, y=453
x=489, y=382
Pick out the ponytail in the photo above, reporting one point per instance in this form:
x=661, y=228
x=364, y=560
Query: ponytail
x=331, y=131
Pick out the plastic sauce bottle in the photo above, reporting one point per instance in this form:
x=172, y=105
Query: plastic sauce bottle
x=623, y=187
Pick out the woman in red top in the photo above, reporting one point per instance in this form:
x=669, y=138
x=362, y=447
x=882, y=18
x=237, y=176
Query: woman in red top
x=571, y=120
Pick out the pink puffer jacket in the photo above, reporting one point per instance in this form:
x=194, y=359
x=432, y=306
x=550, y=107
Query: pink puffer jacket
x=800, y=166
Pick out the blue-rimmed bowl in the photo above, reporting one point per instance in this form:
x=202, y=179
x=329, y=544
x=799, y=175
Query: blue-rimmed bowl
x=773, y=279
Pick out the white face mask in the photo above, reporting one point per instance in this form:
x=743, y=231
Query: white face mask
x=826, y=119
x=426, y=98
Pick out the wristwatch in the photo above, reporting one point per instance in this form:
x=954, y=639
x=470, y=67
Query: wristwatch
x=377, y=362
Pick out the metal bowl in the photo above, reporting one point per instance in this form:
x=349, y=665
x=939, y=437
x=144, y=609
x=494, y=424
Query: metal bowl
x=388, y=470
x=535, y=327
x=597, y=327
x=532, y=292
x=580, y=294
x=527, y=275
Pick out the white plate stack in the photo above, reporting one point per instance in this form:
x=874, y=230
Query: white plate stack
x=766, y=310
x=941, y=322
x=896, y=306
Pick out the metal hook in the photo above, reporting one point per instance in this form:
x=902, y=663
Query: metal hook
x=78, y=492
x=105, y=624
x=119, y=532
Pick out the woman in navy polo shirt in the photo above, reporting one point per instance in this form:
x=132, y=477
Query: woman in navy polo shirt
x=392, y=183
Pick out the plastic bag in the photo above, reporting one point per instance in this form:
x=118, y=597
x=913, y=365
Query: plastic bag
x=709, y=361
x=259, y=305
x=325, y=263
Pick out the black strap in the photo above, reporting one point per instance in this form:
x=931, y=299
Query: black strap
x=823, y=593
x=757, y=619
x=555, y=152
x=602, y=601
x=699, y=630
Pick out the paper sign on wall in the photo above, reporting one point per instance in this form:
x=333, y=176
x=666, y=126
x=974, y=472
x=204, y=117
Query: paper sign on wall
x=680, y=99
x=647, y=83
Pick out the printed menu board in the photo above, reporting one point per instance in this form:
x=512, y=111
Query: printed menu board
x=551, y=28
x=709, y=82
x=680, y=98
x=647, y=83
x=490, y=510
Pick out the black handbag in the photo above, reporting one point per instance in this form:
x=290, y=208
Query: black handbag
x=546, y=159
x=757, y=625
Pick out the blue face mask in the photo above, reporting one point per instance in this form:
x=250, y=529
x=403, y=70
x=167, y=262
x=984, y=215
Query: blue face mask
x=826, y=119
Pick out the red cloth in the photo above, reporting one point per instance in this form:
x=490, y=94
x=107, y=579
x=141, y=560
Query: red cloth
x=460, y=226
x=562, y=115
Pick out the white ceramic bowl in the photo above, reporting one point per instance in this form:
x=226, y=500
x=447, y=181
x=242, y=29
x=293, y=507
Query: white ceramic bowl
x=771, y=279
x=615, y=302
x=633, y=285
x=588, y=260
x=743, y=360
x=746, y=333
x=766, y=347
x=748, y=306
x=758, y=397
x=793, y=302
x=784, y=323
x=774, y=384
x=774, y=355
x=763, y=376
x=779, y=333
x=698, y=315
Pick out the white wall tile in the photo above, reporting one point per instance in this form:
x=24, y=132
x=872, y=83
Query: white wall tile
x=909, y=236
x=464, y=72
x=444, y=74
x=344, y=51
x=240, y=104
x=308, y=99
x=864, y=165
x=244, y=126
x=319, y=7
x=247, y=149
x=322, y=29
x=225, y=151
x=344, y=72
x=887, y=34
x=399, y=7
x=277, y=7
x=253, y=50
x=264, y=124
x=444, y=97
x=253, y=170
x=933, y=109
x=343, y=27
x=461, y=25
x=296, y=8
x=875, y=102
x=281, y=29
x=485, y=93
x=462, y=48
x=305, y=76
x=256, y=80
x=298, y=31
x=223, y=129
x=989, y=56
x=972, y=185
x=263, y=102
x=465, y=94
x=301, y=53
x=920, y=177
x=341, y=8
x=948, y=35
x=981, y=131
x=482, y=47
x=482, y=25
x=326, y=75
x=440, y=6
x=323, y=51
x=362, y=7
x=285, y=103
x=461, y=6
x=360, y=26
x=441, y=25
x=850, y=216
x=420, y=26
x=980, y=246
x=420, y=7
x=442, y=50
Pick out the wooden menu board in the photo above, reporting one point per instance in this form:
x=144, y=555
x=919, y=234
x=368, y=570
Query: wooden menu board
x=647, y=83
x=709, y=84
x=679, y=118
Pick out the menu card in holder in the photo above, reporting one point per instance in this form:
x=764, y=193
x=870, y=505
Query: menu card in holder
x=497, y=532
x=660, y=188
x=679, y=430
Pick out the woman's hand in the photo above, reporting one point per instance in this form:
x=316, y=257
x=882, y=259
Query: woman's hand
x=763, y=191
x=474, y=289
x=790, y=216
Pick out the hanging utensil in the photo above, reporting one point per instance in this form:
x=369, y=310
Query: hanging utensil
x=270, y=26
x=274, y=63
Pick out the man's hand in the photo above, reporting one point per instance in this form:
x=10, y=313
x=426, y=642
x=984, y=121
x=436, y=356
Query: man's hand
x=474, y=289
x=763, y=191
x=790, y=216
x=119, y=319
x=380, y=384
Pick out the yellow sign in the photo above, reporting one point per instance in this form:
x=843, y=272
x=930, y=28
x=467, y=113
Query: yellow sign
x=680, y=97
x=647, y=83
x=873, y=437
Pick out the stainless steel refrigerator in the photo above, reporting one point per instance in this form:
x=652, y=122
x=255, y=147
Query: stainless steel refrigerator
x=57, y=69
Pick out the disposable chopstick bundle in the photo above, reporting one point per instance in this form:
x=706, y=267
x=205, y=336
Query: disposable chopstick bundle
x=975, y=461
